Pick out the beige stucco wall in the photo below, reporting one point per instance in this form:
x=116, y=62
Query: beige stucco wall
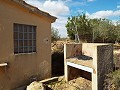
x=21, y=67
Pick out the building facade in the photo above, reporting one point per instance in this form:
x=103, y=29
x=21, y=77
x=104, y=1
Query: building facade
x=25, y=44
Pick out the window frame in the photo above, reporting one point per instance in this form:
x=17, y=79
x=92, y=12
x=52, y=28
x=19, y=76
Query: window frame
x=24, y=44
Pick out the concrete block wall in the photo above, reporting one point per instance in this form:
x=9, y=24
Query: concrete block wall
x=102, y=62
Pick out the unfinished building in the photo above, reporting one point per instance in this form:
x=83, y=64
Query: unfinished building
x=89, y=60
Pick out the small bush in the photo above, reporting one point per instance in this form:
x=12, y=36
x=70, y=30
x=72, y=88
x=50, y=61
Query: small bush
x=113, y=81
x=55, y=35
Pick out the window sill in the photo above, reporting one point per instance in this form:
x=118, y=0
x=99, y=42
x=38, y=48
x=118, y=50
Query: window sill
x=25, y=53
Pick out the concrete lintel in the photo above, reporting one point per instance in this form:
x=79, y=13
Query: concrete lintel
x=88, y=69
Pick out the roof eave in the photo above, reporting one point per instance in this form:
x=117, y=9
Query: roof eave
x=35, y=9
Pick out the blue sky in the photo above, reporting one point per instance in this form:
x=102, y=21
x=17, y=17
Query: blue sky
x=63, y=9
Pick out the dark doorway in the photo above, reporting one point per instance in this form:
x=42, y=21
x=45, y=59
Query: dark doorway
x=57, y=64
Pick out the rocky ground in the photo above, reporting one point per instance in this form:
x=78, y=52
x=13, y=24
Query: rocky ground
x=75, y=84
x=58, y=46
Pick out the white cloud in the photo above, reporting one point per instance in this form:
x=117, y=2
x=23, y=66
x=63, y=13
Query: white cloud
x=67, y=0
x=60, y=25
x=35, y=3
x=90, y=0
x=104, y=14
x=56, y=8
x=118, y=6
x=76, y=3
x=79, y=11
x=116, y=13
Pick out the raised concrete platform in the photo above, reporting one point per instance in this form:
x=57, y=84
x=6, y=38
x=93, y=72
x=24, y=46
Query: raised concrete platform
x=85, y=62
x=88, y=69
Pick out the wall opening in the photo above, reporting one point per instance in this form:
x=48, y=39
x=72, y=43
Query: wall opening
x=57, y=64
x=75, y=73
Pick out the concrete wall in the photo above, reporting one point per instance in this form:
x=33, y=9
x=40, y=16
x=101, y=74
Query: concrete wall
x=22, y=67
x=102, y=62
x=70, y=51
x=73, y=50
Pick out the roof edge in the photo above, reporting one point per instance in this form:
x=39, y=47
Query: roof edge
x=34, y=9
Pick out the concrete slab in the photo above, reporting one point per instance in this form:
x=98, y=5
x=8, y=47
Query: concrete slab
x=88, y=69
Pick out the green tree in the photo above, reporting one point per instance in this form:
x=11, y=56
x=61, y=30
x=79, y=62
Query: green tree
x=55, y=34
x=104, y=27
x=117, y=31
x=93, y=30
x=79, y=24
x=104, y=30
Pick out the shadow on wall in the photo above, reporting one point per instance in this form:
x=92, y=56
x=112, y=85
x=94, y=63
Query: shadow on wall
x=57, y=64
x=76, y=73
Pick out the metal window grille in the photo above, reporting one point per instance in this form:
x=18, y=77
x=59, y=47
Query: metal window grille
x=24, y=38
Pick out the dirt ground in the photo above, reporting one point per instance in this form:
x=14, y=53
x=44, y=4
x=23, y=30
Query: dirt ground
x=75, y=84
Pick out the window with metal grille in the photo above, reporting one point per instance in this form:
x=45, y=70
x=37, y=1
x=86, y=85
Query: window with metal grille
x=24, y=38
